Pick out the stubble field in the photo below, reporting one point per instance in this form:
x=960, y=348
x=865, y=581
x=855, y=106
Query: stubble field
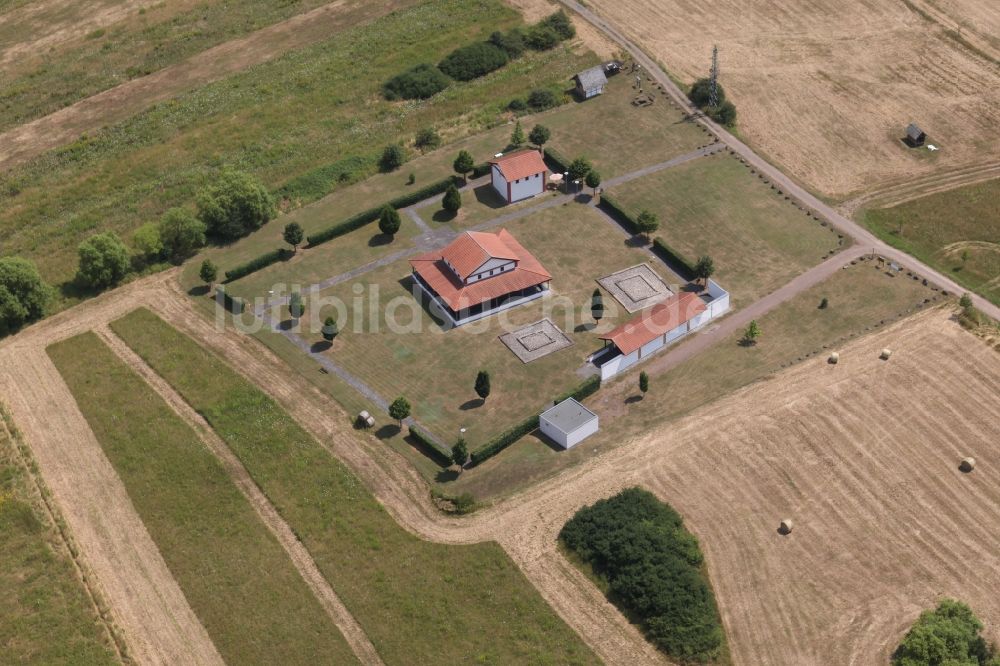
x=826, y=89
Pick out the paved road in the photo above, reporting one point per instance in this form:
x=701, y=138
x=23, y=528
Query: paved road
x=844, y=225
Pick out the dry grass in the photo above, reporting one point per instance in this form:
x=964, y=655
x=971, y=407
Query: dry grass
x=714, y=206
x=826, y=89
x=436, y=370
x=860, y=297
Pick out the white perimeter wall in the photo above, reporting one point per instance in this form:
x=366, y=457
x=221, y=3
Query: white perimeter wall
x=527, y=187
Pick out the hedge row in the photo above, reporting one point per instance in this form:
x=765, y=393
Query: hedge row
x=480, y=170
x=503, y=440
x=673, y=257
x=556, y=159
x=233, y=304
x=677, y=260
x=432, y=446
x=368, y=216
x=508, y=437
x=589, y=387
x=254, y=265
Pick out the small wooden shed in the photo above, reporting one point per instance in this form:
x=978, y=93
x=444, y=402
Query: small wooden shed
x=590, y=82
x=915, y=136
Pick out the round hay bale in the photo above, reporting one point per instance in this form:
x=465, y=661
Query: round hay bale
x=834, y=358
x=363, y=416
x=786, y=526
x=886, y=353
x=967, y=464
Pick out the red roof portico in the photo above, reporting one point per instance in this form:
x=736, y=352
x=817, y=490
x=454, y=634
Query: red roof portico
x=479, y=272
x=656, y=321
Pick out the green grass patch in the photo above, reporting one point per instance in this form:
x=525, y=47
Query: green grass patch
x=418, y=602
x=133, y=47
x=715, y=206
x=236, y=576
x=47, y=617
x=278, y=120
x=957, y=232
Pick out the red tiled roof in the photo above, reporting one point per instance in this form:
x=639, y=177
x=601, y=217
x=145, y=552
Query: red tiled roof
x=458, y=296
x=521, y=164
x=473, y=249
x=654, y=322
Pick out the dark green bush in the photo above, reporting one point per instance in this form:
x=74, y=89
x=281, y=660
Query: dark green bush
x=256, y=264
x=724, y=114
x=420, y=82
x=700, y=93
x=441, y=456
x=557, y=160
x=503, y=440
x=392, y=158
x=234, y=205
x=23, y=294
x=317, y=183
x=542, y=99
x=589, y=387
x=653, y=567
x=560, y=23
x=511, y=42
x=542, y=38
x=677, y=260
x=233, y=304
x=517, y=104
x=472, y=61
x=481, y=170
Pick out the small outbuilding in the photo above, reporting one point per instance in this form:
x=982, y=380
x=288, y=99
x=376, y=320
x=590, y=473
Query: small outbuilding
x=591, y=82
x=915, y=136
x=568, y=423
x=518, y=176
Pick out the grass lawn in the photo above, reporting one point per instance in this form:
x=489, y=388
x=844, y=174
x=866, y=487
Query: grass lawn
x=306, y=109
x=436, y=369
x=715, y=206
x=139, y=43
x=233, y=572
x=418, y=602
x=618, y=137
x=940, y=229
x=859, y=296
x=47, y=617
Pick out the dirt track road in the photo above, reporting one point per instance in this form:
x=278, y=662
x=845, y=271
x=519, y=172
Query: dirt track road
x=850, y=228
x=741, y=461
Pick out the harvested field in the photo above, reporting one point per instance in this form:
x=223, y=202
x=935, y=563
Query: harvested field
x=863, y=456
x=826, y=89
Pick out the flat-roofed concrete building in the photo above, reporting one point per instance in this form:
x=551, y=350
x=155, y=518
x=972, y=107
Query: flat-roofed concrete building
x=568, y=423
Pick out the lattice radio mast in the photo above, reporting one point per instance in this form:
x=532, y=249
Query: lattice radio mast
x=713, y=89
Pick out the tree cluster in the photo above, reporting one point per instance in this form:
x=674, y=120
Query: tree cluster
x=419, y=82
x=175, y=237
x=23, y=294
x=723, y=113
x=472, y=61
x=478, y=59
x=653, y=567
x=235, y=205
x=946, y=636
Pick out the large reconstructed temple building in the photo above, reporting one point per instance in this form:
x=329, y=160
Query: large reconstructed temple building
x=479, y=274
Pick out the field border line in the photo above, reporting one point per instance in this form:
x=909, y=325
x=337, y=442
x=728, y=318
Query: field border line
x=297, y=553
x=98, y=603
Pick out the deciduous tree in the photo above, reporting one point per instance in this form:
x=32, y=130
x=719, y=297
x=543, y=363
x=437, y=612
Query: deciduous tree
x=181, y=234
x=23, y=294
x=103, y=260
x=293, y=235
x=539, y=135
x=235, y=205
x=647, y=223
x=452, y=201
x=399, y=409
x=460, y=453
x=464, y=164
x=208, y=272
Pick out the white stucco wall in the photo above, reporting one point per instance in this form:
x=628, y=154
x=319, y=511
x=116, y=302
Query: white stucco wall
x=499, y=183
x=527, y=187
